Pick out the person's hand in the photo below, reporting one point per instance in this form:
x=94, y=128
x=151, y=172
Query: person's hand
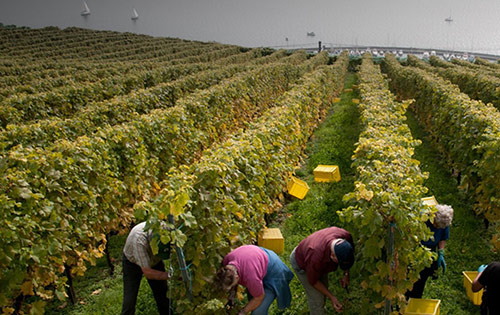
x=481, y=268
x=440, y=261
x=336, y=305
x=344, y=282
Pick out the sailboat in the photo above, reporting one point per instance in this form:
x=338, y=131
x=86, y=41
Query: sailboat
x=87, y=10
x=135, y=16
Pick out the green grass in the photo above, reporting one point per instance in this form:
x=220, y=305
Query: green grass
x=333, y=143
x=109, y=289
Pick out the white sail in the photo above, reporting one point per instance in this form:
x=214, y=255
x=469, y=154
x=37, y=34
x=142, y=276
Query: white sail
x=86, y=10
x=135, y=16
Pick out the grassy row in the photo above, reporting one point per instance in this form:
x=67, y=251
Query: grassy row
x=332, y=144
x=469, y=245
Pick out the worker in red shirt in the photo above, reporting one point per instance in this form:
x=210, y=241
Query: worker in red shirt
x=317, y=255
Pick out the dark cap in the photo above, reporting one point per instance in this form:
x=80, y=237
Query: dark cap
x=345, y=254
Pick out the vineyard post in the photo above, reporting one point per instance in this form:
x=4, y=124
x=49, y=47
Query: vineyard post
x=70, y=290
x=390, y=260
x=18, y=303
x=108, y=256
x=185, y=272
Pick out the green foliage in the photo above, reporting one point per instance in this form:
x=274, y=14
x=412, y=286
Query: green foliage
x=478, y=84
x=486, y=63
x=465, y=251
x=465, y=131
x=72, y=97
x=135, y=125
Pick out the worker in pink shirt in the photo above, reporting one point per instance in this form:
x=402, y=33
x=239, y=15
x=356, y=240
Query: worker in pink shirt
x=317, y=255
x=262, y=272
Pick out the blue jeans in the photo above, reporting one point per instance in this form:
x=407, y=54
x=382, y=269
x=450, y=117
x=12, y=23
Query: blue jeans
x=263, y=308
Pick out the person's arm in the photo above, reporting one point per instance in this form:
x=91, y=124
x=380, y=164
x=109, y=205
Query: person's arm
x=252, y=304
x=441, y=244
x=345, y=280
x=323, y=289
x=440, y=261
x=476, y=285
x=153, y=274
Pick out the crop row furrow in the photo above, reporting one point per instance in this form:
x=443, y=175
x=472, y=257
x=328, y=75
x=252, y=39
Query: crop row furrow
x=111, y=112
x=14, y=66
x=66, y=101
x=124, y=108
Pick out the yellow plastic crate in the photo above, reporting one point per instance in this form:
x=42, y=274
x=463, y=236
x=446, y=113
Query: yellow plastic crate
x=272, y=239
x=475, y=297
x=430, y=201
x=297, y=187
x=336, y=100
x=423, y=307
x=355, y=101
x=327, y=173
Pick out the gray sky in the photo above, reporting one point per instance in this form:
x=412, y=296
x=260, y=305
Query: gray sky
x=268, y=22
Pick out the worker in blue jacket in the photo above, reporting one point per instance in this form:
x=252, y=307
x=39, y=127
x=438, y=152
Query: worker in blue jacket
x=440, y=227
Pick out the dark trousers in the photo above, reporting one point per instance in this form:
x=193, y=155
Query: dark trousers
x=132, y=275
x=487, y=305
x=418, y=287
